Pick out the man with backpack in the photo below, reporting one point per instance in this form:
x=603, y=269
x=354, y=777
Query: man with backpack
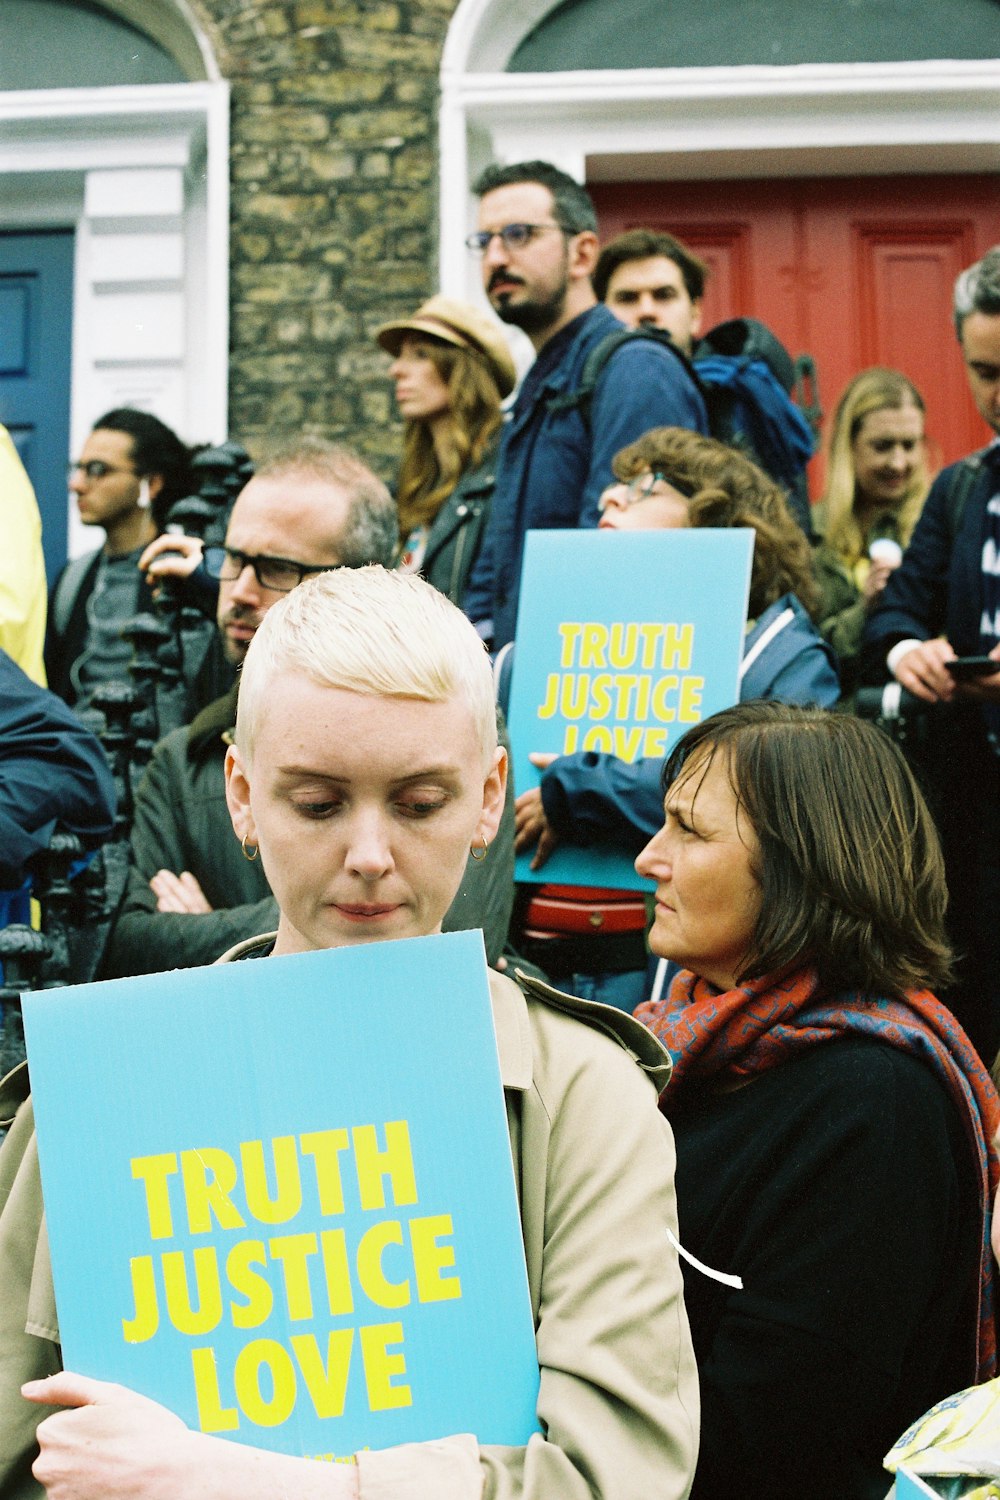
x=650, y=280
x=936, y=630
x=538, y=242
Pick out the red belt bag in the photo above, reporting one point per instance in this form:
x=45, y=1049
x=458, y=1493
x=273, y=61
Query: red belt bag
x=562, y=909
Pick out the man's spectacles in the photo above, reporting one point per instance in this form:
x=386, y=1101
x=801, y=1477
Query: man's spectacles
x=279, y=574
x=511, y=236
x=95, y=468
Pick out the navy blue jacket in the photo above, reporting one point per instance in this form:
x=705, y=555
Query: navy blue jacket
x=554, y=465
x=937, y=588
x=53, y=772
x=591, y=796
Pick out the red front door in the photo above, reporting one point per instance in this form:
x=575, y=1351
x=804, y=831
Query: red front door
x=854, y=271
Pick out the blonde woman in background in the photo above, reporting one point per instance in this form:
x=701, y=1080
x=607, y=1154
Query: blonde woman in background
x=877, y=482
x=452, y=369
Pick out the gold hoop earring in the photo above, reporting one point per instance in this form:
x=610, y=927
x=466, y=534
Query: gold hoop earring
x=243, y=846
x=482, y=852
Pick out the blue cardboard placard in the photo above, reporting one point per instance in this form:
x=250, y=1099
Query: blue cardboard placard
x=624, y=640
x=280, y=1196
x=910, y=1486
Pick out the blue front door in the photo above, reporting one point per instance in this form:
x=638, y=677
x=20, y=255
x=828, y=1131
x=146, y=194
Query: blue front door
x=36, y=303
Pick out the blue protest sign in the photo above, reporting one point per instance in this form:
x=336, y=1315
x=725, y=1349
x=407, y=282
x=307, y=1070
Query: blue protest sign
x=280, y=1196
x=624, y=640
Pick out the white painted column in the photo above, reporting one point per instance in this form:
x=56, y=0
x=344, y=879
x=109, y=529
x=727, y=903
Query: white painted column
x=131, y=309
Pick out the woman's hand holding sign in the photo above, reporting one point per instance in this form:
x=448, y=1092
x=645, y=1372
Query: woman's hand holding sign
x=531, y=826
x=116, y=1445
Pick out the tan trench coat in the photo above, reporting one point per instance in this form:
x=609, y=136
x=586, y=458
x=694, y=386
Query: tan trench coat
x=594, y=1162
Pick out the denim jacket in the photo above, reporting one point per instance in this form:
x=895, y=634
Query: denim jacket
x=555, y=463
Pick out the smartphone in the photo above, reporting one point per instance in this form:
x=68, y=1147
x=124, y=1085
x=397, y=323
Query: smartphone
x=965, y=667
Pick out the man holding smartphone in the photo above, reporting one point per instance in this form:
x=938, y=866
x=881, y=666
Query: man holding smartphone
x=936, y=629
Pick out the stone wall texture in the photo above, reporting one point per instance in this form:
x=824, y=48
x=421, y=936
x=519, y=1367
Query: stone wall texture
x=334, y=207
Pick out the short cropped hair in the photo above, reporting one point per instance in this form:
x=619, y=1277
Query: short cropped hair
x=571, y=203
x=371, y=530
x=371, y=631
x=725, y=489
x=978, y=289
x=641, y=244
x=850, y=867
x=156, y=449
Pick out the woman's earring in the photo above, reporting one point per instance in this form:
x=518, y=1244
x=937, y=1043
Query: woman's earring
x=143, y=501
x=480, y=854
x=246, y=853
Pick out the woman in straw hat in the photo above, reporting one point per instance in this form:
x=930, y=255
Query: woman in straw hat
x=452, y=369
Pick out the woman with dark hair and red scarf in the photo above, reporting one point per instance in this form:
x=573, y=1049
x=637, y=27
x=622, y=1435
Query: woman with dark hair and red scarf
x=834, y=1124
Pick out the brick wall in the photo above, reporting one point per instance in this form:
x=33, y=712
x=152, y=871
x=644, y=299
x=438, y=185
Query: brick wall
x=334, y=206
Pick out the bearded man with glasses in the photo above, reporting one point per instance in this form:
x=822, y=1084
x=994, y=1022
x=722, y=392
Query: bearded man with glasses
x=191, y=891
x=537, y=239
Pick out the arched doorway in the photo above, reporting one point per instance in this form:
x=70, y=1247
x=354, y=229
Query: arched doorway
x=115, y=159
x=716, y=100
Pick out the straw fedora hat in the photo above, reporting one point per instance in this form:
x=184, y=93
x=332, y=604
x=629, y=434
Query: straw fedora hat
x=457, y=323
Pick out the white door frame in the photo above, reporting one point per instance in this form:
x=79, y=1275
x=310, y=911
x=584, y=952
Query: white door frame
x=141, y=175
x=830, y=119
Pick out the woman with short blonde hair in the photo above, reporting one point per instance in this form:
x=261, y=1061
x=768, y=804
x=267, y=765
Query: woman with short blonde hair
x=365, y=770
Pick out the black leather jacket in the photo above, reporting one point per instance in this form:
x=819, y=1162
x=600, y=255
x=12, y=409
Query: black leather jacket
x=457, y=532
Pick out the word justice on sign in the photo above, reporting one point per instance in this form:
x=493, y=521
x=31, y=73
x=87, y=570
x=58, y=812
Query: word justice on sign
x=625, y=673
x=306, y=1277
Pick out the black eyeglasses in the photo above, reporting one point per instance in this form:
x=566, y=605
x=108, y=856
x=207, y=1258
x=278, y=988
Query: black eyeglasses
x=94, y=468
x=511, y=236
x=639, y=488
x=279, y=574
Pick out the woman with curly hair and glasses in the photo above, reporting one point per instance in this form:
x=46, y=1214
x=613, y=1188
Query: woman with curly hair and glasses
x=669, y=478
x=451, y=368
x=712, y=484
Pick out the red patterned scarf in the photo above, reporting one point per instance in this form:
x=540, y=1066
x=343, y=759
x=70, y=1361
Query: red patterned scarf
x=742, y=1032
